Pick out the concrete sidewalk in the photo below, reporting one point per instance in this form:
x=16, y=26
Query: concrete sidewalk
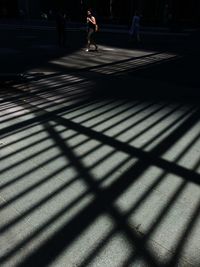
x=97, y=167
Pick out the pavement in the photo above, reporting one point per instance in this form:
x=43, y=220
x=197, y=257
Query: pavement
x=99, y=151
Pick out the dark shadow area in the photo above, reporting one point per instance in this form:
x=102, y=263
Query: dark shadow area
x=25, y=49
x=21, y=54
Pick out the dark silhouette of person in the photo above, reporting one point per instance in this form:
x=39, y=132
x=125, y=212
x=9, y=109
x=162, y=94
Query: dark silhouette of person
x=50, y=14
x=135, y=27
x=60, y=26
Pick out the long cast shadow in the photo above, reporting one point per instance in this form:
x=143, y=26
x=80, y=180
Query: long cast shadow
x=105, y=197
x=187, y=124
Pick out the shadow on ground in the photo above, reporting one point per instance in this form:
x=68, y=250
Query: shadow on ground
x=100, y=166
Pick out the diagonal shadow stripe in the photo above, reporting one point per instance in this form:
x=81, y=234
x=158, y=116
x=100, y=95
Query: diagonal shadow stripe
x=109, y=195
x=102, y=204
x=153, y=156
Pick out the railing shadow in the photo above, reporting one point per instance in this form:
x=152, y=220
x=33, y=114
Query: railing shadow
x=89, y=165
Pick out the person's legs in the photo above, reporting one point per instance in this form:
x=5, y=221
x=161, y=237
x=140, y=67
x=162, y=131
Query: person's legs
x=89, y=39
x=92, y=40
x=61, y=36
x=137, y=34
x=138, y=37
x=95, y=45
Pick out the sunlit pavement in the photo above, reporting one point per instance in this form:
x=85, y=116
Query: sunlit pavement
x=100, y=161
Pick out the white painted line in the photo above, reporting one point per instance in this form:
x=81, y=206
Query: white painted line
x=108, y=49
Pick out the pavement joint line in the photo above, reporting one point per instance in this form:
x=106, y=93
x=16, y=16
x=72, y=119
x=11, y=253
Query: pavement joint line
x=3, y=199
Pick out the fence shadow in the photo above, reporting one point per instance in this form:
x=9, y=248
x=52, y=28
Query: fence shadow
x=90, y=169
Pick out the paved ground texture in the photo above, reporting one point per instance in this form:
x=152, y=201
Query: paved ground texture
x=100, y=160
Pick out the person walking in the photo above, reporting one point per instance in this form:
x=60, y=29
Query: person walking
x=91, y=29
x=60, y=26
x=135, y=27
